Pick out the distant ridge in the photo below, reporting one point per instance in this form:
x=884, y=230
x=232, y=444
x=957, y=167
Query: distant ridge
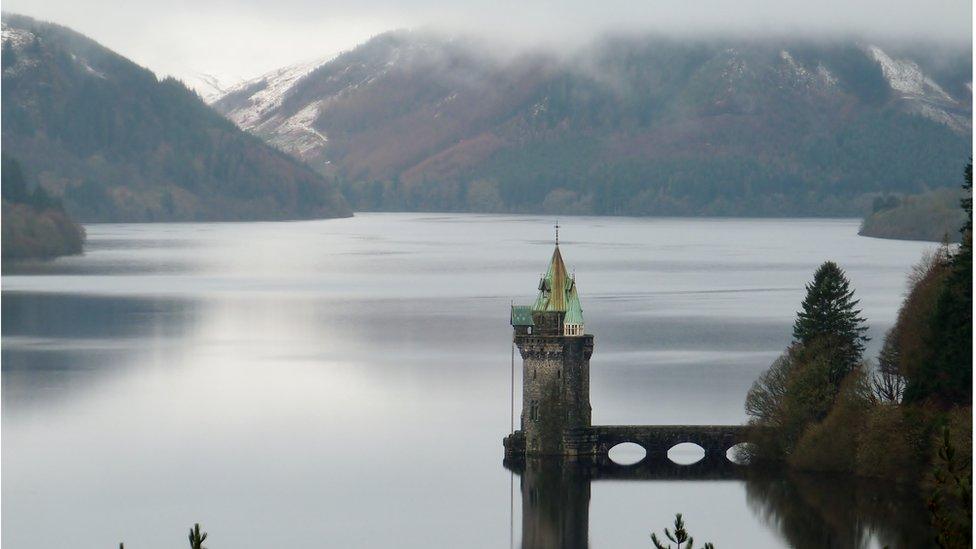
x=634, y=126
x=115, y=143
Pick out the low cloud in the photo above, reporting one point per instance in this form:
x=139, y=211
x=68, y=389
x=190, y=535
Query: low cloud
x=245, y=38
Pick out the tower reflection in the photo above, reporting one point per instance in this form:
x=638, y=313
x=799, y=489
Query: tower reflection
x=805, y=510
x=556, y=492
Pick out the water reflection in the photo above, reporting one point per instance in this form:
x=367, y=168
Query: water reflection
x=556, y=493
x=56, y=346
x=807, y=511
x=814, y=510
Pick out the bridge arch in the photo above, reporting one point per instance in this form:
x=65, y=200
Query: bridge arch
x=739, y=453
x=627, y=453
x=686, y=453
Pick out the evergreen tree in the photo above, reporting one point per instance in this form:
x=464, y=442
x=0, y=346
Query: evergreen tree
x=15, y=188
x=13, y=184
x=680, y=536
x=951, y=502
x=196, y=537
x=8, y=57
x=829, y=316
x=948, y=378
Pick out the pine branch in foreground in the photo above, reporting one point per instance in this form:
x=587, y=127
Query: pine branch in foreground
x=680, y=537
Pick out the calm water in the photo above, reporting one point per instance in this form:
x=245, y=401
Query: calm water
x=345, y=383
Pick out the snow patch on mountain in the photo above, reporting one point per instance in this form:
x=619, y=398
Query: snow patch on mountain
x=274, y=87
x=255, y=105
x=735, y=68
x=18, y=38
x=296, y=134
x=210, y=86
x=798, y=76
x=921, y=94
x=906, y=77
x=88, y=68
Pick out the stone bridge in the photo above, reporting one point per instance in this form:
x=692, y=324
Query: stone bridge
x=655, y=439
x=598, y=468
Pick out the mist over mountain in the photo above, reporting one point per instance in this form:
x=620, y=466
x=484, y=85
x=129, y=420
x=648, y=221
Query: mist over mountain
x=115, y=143
x=632, y=125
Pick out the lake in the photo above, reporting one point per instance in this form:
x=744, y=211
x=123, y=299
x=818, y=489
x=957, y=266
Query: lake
x=346, y=383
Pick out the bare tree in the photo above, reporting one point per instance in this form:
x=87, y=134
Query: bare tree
x=888, y=383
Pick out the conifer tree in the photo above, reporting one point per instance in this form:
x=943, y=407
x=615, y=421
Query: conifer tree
x=829, y=316
x=196, y=537
x=8, y=57
x=948, y=377
x=13, y=184
x=680, y=536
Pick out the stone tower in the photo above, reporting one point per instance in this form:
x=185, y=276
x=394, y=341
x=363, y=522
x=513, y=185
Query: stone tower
x=555, y=365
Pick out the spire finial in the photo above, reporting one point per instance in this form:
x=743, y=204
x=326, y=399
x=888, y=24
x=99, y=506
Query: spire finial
x=557, y=232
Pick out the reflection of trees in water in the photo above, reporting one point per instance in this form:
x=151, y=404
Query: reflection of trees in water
x=808, y=511
x=61, y=346
x=811, y=510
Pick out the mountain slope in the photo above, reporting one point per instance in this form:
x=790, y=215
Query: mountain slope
x=627, y=126
x=116, y=144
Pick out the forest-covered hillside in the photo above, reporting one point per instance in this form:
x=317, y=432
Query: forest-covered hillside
x=35, y=225
x=114, y=143
x=933, y=216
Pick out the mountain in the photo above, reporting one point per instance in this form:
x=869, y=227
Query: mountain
x=630, y=125
x=114, y=143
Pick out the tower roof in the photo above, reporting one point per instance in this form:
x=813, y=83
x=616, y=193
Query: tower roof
x=574, y=311
x=553, y=286
x=557, y=291
x=522, y=315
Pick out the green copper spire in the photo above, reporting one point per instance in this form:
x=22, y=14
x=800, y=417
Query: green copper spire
x=558, y=293
x=574, y=311
x=554, y=286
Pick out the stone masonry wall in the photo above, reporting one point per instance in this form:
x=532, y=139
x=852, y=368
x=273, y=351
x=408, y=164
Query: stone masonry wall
x=555, y=389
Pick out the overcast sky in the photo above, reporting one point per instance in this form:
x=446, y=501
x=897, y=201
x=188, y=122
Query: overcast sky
x=236, y=39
